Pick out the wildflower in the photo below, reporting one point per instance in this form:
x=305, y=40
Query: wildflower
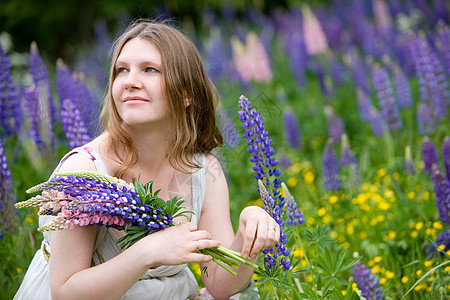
x=251, y=60
x=10, y=113
x=366, y=281
x=295, y=213
x=32, y=111
x=444, y=37
x=315, y=39
x=330, y=167
x=74, y=127
x=403, y=90
x=446, y=156
x=335, y=125
x=442, y=192
x=45, y=106
x=376, y=122
x=364, y=105
x=409, y=164
x=429, y=154
x=385, y=95
x=229, y=131
x=425, y=121
x=293, y=135
x=7, y=196
x=347, y=157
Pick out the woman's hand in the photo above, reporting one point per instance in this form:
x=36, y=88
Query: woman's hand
x=258, y=229
x=178, y=245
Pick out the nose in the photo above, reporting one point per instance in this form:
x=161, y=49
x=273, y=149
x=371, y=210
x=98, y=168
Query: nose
x=132, y=81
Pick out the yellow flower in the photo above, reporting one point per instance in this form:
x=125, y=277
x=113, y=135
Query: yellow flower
x=411, y=195
x=294, y=169
x=418, y=273
x=363, y=235
x=255, y=277
x=441, y=248
x=383, y=280
x=380, y=218
x=438, y=225
x=384, y=205
x=292, y=181
x=381, y=172
x=365, y=186
x=404, y=279
x=344, y=292
x=310, y=221
x=257, y=202
x=309, y=177
x=354, y=286
x=377, y=259
x=304, y=263
x=195, y=268
x=19, y=270
x=309, y=278
x=333, y=199
x=428, y=263
x=350, y=229
x=392, y=235
x=419, y=225
x=414, y=234
x=396, y=175
x=430, y=279
x=29, y=220
x=426, y=196
x=376, y=269
x=322, y=211
x=389, y=275
x=299, y=252
x=346, y=245
x=327, y=219
x=333, y=234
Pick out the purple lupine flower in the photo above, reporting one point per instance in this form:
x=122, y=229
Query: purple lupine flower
x=45, y=106
x=402, y=88
x=218, y=56
x=446, y=155
x=292, y=133
x=64, y=81
x=358, y=68
x=73, y=125
x=432, y=79
x=275, y=211
x=377, y=122
x=229, y=131
x=425, y=122
x=442, y=239
x=385, y=95
x=429, y=155
x=444, y=37
x=88, y=105
x=442, y=193
x=32, y=111
x=409, y=163
x=330, y=167
x=335, y=124
x=347, y=156
x=364, y=105
x=366, y=281
x=8, y=222
x=295, y=213
x=10, y=113
x=259, y=146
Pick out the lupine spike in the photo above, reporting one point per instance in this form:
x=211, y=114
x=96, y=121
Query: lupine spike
x=99, y=177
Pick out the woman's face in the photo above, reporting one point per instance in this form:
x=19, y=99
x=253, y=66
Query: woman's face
x=137, y=89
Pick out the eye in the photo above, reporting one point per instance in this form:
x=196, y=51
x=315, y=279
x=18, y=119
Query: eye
x=151, y=70
x=121, y=70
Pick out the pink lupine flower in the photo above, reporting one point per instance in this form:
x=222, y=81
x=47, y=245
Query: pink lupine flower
x=315, y=40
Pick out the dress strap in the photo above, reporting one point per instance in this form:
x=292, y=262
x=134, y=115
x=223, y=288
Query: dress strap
x=198, y=188
x=88, y=152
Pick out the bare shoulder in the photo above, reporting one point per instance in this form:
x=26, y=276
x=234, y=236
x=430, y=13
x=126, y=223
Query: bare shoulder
x=213, y=168
x=78, y=162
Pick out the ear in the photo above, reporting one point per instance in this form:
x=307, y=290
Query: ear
x=187, y=102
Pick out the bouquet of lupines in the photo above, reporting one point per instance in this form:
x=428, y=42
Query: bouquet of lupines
x=85, y=198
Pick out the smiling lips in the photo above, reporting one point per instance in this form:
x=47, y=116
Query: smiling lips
x=135, y=99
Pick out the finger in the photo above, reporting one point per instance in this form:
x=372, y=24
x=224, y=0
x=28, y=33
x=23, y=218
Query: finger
x=248, y=235
x=260, y=240
x=273, y=235
x=199, y=258
x=206, y=244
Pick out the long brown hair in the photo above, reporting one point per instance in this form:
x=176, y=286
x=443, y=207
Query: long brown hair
x=194, y=128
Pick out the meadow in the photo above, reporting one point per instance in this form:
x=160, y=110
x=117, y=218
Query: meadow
x=354, y=98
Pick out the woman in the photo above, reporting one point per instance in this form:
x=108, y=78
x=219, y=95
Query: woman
x=159, y=119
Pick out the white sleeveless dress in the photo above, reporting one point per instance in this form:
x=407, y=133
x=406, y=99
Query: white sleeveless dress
x=164, y=282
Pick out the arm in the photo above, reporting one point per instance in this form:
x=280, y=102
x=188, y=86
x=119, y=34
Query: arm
x=71, y=274
x=252, y=237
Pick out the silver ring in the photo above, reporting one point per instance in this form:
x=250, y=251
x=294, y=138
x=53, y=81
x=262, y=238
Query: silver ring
x=198, y=246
